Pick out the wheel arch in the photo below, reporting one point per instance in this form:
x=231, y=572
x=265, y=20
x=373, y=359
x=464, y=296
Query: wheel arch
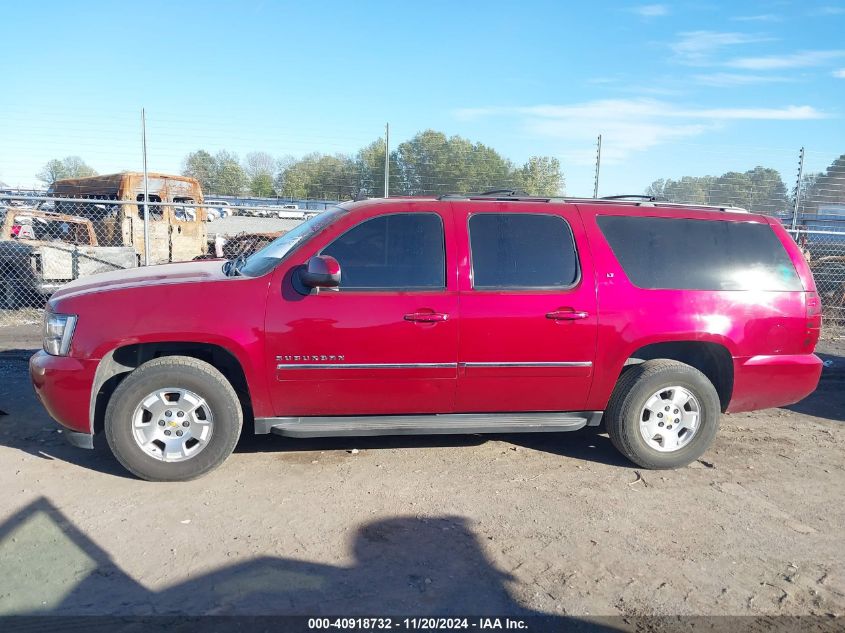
x=122, y=360
x=714, y=360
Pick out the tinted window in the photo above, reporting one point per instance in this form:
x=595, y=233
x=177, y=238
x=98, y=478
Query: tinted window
x=521, y=250
x=399, y=251
x=699, y=254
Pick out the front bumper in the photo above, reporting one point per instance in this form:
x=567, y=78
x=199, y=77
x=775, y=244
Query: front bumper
x=63, y=384
x=761, y=382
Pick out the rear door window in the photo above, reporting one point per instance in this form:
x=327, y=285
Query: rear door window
x=522, y=250
x=687, y=254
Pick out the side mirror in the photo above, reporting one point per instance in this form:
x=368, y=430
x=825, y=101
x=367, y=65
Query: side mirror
x=321, y=271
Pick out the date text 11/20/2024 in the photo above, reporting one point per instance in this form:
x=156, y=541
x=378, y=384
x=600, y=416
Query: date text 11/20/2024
x=432, y=623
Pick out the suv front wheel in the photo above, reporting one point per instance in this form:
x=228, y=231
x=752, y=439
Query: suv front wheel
x=172, y=419
x=663, y=414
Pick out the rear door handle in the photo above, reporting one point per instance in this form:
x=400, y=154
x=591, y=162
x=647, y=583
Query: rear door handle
x=567, y=315
x=426, y=317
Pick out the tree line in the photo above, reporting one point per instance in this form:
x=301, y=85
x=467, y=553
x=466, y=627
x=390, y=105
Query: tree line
x=69, y=167
x=758, y=189
x=825, y=189
x=428, y=164
x=761, y=188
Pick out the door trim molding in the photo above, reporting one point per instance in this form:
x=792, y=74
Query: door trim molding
x=433, y=365
x=578, y=363
x=367, y=366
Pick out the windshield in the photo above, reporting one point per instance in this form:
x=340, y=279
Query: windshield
x=266, y=259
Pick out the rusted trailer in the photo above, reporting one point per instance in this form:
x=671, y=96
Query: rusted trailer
x=177, y=232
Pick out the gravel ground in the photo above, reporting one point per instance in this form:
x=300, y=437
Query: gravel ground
x=547, y=523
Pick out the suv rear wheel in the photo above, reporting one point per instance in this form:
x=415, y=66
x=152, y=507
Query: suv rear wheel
x=663, y=414
x=173, y=419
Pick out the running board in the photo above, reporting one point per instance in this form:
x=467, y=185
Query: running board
x=453, y=423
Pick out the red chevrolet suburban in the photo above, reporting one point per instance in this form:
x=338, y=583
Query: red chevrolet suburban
x=476, y=314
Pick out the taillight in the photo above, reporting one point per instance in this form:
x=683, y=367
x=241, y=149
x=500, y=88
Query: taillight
x=814, y=317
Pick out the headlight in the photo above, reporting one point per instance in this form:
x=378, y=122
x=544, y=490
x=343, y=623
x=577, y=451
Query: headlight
x=58, y=331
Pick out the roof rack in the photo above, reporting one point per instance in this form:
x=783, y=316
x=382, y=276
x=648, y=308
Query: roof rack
x=644, y=198
x=499, y=194
x=652, y=201
x=512, y=195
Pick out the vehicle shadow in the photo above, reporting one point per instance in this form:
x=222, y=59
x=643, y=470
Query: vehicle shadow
x=828, y=400
x=589, y=444
x=402, y=566
x=27, y=427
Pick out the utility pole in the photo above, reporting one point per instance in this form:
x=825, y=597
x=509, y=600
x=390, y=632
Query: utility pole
x=598, y=168
x=146, y=190
x=798, y=189
x=386, y=158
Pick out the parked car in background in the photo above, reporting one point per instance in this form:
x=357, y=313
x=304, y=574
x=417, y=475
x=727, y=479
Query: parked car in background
x=290, y=211
x=223, y=207
x=481, y=314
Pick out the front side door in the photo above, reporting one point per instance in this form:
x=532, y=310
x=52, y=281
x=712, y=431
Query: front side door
x=528, y=308
x=386, y=340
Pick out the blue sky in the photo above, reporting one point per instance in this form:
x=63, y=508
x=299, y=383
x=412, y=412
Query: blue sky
x=674, y=88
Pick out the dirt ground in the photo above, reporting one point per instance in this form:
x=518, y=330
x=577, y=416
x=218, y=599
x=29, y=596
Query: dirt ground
x=518, y=524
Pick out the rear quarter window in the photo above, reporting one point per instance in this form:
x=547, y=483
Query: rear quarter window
x=682, y=254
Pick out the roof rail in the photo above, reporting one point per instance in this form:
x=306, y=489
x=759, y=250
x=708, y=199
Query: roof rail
x=506, y=195
x=497, y=194
x=651, y=201
x=645, y=198
x=513, y=193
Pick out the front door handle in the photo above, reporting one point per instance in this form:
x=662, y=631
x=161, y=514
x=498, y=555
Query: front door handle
x=426, y=317
x=567, y=315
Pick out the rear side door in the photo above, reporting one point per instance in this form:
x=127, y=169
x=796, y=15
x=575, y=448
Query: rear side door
x=527, y=331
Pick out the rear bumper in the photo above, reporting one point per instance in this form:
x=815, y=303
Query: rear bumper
x=761, y=382
x=63, y=385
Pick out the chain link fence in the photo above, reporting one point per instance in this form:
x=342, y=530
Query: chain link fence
x=46, y=242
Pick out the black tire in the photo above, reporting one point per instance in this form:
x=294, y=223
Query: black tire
x=636, y=385
x=180, y=372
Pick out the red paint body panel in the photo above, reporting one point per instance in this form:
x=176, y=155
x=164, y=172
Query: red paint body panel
x=773, y=381
x=510, y=326
x=746, y=323
x=192, y=302
x=63, y=385
x=365, y=327
x=262, y=321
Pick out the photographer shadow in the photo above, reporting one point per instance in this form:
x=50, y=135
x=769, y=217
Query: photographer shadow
x=402, y=566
